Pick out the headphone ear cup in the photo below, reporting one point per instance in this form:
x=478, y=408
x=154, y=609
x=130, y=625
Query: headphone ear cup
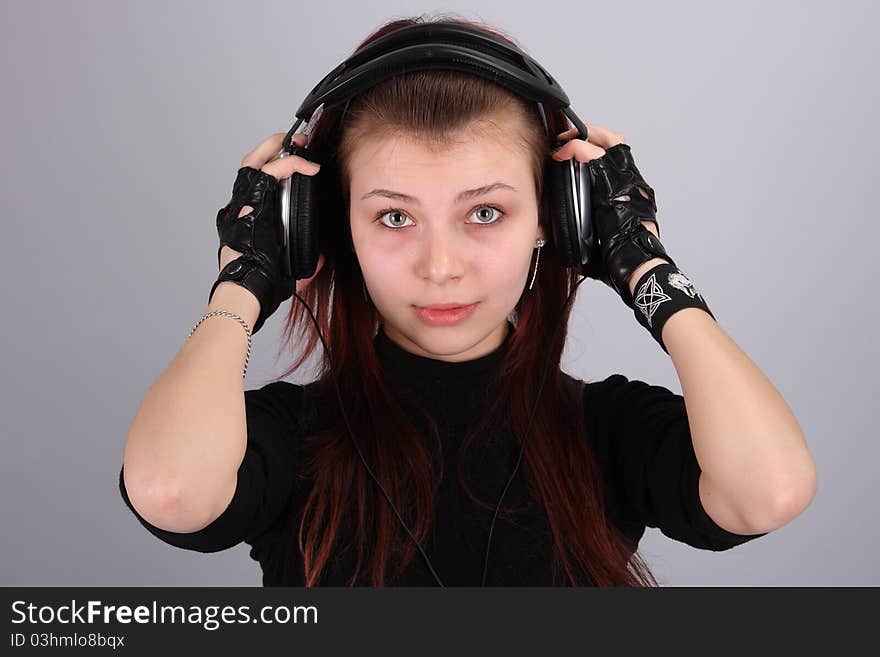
x=303, y=238
x=563, y=220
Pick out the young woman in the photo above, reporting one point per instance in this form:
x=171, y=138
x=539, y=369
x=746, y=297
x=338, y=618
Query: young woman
x=435, y=196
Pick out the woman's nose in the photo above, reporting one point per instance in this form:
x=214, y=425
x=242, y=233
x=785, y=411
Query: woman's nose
x=441, y=257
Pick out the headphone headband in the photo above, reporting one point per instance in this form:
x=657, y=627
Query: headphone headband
x=448, y=46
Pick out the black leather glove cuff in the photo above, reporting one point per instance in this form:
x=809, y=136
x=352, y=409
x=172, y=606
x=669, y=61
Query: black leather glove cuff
x=248, y=272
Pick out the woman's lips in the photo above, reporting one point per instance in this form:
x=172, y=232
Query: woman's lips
x=445, y=317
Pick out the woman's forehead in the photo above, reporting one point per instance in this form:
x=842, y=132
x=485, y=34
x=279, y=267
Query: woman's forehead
x=392, y=163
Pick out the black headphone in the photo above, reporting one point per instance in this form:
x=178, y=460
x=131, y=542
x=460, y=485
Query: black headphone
x=440, y=45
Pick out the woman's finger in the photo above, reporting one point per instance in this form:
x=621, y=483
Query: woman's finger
x=268, y=149
x=288, y=165
x=568, y=134
x=603, y=137
x=596, y=134
x=579, y=149
x=598, y=140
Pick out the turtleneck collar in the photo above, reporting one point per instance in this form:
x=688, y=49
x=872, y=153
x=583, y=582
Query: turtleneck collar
x=414, y=368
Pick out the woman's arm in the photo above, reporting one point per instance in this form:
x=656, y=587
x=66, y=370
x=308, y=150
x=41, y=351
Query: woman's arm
x=188, y=436
x=757, y=471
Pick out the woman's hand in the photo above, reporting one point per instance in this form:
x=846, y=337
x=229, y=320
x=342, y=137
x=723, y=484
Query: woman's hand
x=251, y=231
x=600, y=139
x=618, y=213
x=261, y=157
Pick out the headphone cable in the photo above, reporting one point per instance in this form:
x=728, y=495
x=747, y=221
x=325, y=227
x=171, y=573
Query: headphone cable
x=528, y=431
x=382, y=488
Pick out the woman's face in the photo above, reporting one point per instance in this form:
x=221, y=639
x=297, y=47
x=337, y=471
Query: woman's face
x=423, y=239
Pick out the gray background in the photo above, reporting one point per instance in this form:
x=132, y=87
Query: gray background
x=124, y=124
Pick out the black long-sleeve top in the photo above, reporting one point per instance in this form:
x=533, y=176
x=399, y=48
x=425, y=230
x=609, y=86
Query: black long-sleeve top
x=638, y=431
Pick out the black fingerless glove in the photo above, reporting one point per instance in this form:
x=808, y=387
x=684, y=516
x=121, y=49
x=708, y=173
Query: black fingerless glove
x=623, y=241
x=258, y=235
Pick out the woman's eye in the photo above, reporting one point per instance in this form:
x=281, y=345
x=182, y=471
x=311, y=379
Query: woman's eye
x=395, y=214
x=389, y=212
x=490, y=207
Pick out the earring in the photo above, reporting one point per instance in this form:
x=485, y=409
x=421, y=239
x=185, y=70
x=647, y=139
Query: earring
x=538, y=244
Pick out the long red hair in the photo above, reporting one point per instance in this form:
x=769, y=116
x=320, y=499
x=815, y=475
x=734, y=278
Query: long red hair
x=561, y=471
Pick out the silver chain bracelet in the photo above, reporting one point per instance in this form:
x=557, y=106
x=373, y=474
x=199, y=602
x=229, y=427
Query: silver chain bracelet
x=240, y=321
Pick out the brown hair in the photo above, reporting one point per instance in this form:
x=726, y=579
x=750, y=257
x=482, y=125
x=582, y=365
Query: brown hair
x=561, y=470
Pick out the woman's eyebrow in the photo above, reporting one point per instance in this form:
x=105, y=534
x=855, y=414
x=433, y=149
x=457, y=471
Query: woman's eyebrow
x=463, y=196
